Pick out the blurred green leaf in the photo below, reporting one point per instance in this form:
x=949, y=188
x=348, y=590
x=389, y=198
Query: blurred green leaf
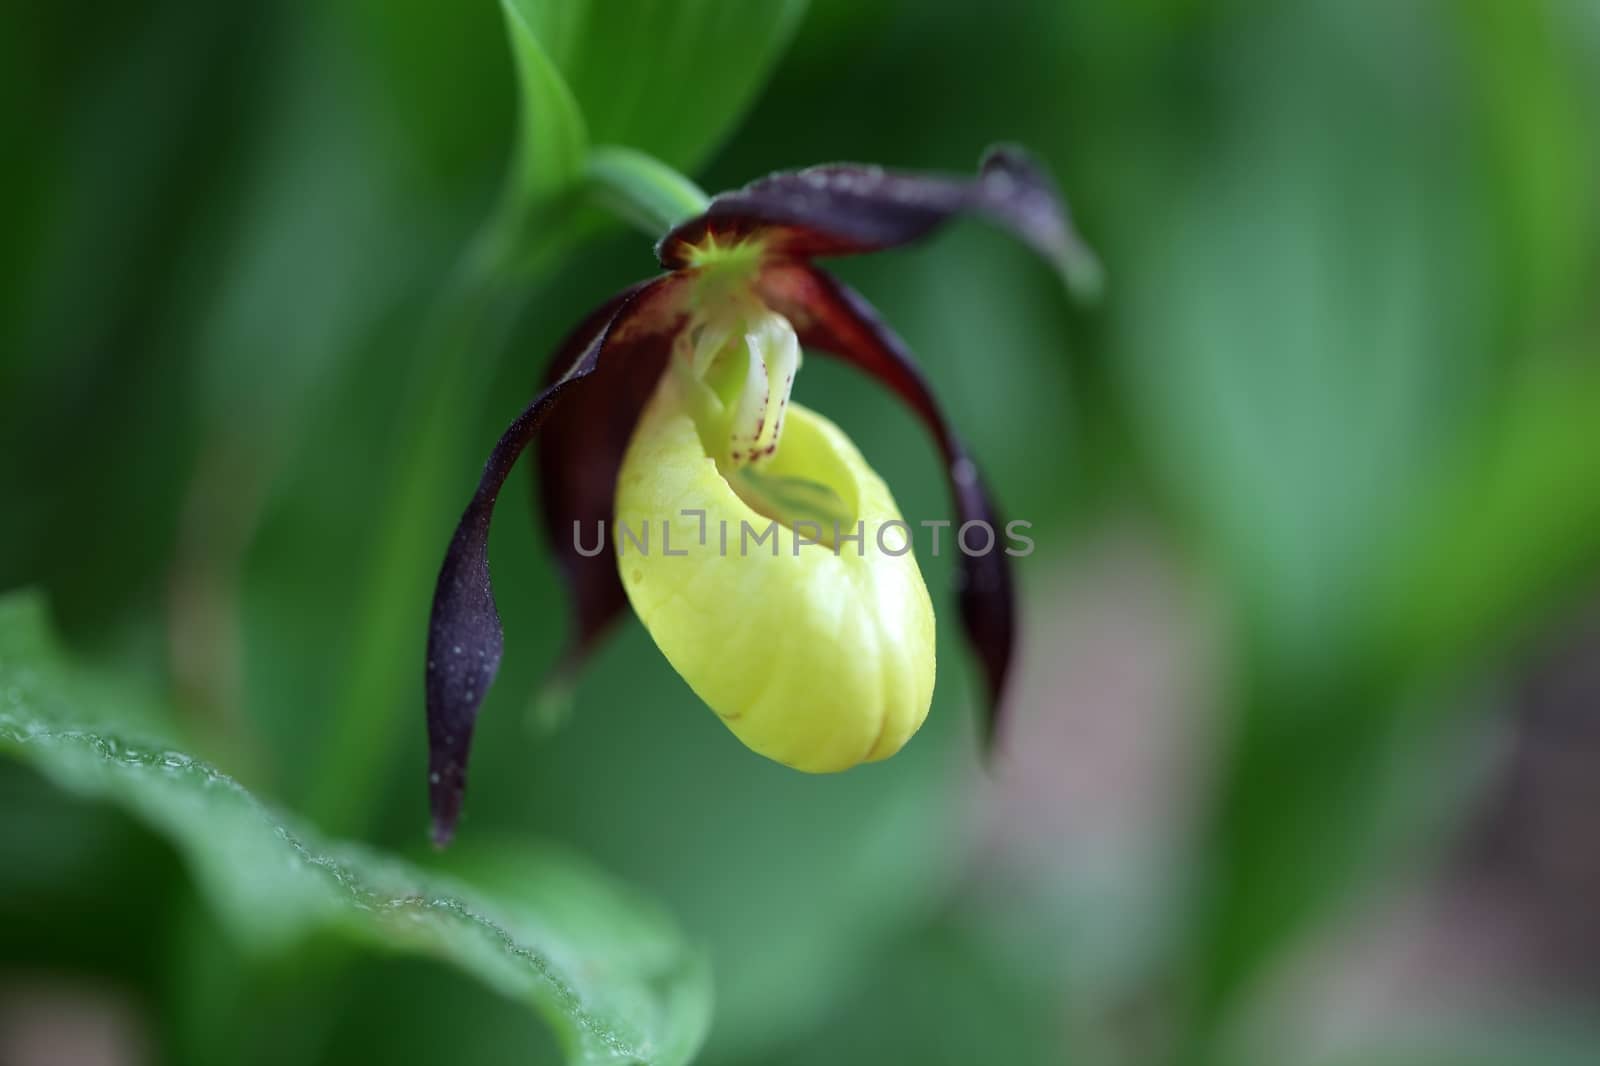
x=608, y=971
x=667, y=77
x=551, y=139
x=1540, y=160
x=1514, y=528
x=662, y=79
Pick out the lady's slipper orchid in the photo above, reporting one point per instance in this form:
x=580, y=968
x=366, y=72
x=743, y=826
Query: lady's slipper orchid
x=667, y=410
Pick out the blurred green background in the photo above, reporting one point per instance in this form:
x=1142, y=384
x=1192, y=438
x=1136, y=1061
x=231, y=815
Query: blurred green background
x=1303, y=758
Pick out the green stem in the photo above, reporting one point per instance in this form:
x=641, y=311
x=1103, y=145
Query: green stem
x=641, y=189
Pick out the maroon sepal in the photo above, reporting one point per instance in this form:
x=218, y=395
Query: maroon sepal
x=831, y=318
x=465, y=639
x=847, y=208
x=579, y=456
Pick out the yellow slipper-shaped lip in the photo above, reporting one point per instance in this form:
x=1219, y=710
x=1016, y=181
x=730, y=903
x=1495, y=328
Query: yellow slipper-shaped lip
x=817, y=657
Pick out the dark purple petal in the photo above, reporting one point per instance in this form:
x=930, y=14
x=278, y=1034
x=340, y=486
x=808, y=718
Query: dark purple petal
x=464, y=635
x=845, y=209
x=579, y=455
x=830, y=317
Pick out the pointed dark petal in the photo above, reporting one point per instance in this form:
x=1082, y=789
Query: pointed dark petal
x=845, y=209
x=464, y=635
x=1015, y=192
x=829, y=317
x=579, y=455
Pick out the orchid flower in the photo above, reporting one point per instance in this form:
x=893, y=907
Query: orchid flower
x=668, y=408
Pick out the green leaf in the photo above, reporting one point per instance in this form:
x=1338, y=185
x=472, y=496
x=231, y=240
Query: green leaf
x=609, y=972
x=665, y=77
x=1513, y=532
x=551, y=139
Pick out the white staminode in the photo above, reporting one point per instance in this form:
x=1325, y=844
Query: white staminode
x=744, y=357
